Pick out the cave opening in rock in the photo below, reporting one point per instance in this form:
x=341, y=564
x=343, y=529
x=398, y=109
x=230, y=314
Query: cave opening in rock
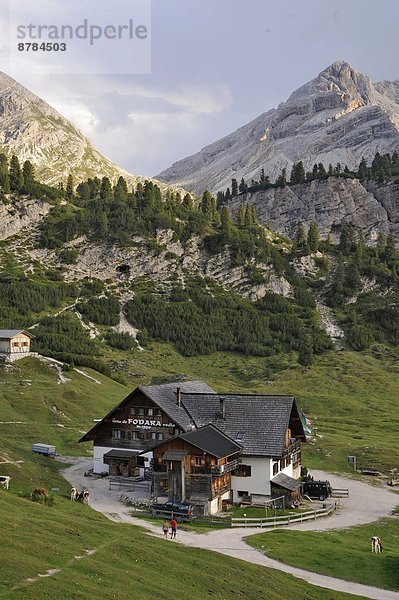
x=123, y=269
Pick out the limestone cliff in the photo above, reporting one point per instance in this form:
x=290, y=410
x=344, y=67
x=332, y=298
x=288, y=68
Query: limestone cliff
x=339, y=116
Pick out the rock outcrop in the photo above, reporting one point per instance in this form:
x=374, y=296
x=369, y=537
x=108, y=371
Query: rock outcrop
x=368, y=206
x=19, y=214
x=339, y=116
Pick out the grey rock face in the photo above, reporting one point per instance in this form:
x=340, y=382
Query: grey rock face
x=329, y=203
x=339, y=116
x=16, y=216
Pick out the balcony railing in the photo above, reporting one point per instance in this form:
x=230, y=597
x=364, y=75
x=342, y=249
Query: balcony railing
x=214, y=470
x=292, y=448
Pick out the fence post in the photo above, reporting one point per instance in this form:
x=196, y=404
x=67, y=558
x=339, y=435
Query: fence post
x=315, y=515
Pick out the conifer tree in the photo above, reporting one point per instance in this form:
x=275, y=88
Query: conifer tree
x=243, y=188
x=282, y=178
x=4, y=176
x=69, y=191
x=240, y=216
x=15, y=173
x=226, y=222
x=390, y=253
x=300, y=238
x=106, y=189
x=248, y=218
x=313, y=238
x=28, y=173
x=234, y=187
x=188, y=202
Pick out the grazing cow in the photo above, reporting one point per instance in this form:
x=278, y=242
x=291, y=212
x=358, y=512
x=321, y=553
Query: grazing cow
x=376, y=545
x=84, y=496
x=74, y=494
x=5, y=481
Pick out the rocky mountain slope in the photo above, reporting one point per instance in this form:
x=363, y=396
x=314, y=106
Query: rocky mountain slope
x=35, y=131
x=367, y=205
x=338, y=117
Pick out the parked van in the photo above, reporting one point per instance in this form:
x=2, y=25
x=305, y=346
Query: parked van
x=45, y=449
x=319, y=490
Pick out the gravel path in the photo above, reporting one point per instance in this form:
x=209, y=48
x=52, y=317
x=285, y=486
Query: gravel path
x=366, y=503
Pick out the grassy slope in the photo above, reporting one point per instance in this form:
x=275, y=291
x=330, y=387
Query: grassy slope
x=344, y=553
x=354, y=396
x=127, y=561
x=47, y=412
x=36, y=538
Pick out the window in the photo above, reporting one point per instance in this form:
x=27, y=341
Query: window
x=241, y=493
x=137, y=410
x=118, y=434
x=150, y=412
x=197, y=461
x=275, y=468
x=134, y=435
x=157, y=412
x=239, y=436
x=243, y=471
x=156, y=436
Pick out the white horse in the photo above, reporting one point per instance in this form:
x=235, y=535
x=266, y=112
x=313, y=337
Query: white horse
x=376, y=545
x=5, y=481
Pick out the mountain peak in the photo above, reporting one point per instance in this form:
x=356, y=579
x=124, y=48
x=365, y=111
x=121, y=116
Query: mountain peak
x=337, y=117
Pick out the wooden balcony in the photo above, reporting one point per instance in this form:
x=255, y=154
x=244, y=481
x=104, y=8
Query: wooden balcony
x=294, y=447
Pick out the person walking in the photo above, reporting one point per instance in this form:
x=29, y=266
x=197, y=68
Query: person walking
x=165, y=529
x=173, y=525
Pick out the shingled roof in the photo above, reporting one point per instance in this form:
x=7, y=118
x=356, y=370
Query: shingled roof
x=164, y=396
x=257, y=423
x=212, y=440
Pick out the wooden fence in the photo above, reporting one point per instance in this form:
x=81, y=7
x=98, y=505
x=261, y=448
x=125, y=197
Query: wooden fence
x=130, y=486
x=277, y=521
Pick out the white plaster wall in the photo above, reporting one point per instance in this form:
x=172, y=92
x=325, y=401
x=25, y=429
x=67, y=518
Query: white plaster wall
x=98, y=454
x=258, y=483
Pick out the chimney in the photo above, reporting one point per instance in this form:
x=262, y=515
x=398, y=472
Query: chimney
x=178, y=396
x=222, y=407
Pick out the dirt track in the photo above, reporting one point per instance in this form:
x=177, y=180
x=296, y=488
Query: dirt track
x=366, y=504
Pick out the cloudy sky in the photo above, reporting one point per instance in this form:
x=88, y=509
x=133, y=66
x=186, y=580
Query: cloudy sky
x=215, y=65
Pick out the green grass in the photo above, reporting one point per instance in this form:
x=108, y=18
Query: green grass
x=36, y=538
x=127, y=563
x=35, y=408
x=354, y=395
x=344, y=553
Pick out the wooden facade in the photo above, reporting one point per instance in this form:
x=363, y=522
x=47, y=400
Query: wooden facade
x=137, y=424
x=185, y=472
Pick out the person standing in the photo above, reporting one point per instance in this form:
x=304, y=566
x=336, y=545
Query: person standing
x=165, y=529
x=173, y=525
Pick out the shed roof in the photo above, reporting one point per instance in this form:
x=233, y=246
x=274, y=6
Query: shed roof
x=258, y=423
x=212, y=440
x=286, y=482
x=7, y=334
x=121, y=453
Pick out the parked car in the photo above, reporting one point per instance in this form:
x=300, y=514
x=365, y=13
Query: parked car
x=319, y=490
x=180, y=510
